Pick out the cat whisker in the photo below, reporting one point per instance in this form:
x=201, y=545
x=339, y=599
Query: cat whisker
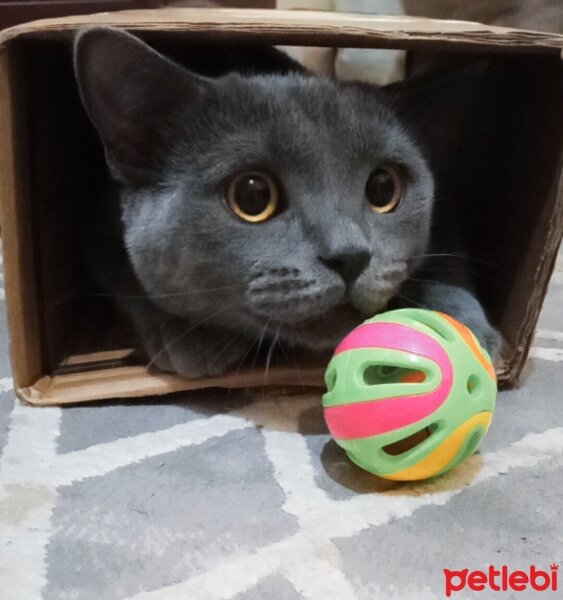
x=260, y=341
x=409, y=300
x=232, y=338
x=78, y=296
x=459, y=256
x=271, y=351
x=280, y=344
x=474, y=274
x=169, y=345
x=242, y=360
x=169, y=295
x=399, y=89
x=297, y=366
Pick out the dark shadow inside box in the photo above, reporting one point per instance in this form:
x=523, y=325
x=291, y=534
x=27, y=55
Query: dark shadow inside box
x=495, y=152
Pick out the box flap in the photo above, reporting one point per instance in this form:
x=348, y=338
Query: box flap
x=138, y=382
x=302, y=27
x=28, y=355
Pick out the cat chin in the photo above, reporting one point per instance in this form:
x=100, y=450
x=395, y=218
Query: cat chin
x=322, y=333
x=369, y=301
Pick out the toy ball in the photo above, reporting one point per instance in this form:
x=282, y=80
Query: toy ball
x=410, y=394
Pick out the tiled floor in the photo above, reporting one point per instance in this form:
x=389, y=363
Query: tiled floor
x=217, y=496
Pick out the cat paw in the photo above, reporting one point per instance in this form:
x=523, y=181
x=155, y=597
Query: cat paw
x=488, y=336
x=196, y=353
x=463, y=306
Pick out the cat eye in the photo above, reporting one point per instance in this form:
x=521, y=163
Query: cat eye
x=384, y=189
x=253, y=196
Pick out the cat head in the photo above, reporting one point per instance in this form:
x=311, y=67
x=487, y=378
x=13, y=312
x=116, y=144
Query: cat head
x=287, y=205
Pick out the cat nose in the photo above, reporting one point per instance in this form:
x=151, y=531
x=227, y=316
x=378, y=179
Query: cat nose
x=349, y=263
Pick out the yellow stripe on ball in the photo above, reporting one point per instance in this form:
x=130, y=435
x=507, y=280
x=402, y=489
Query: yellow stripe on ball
x=444, y=454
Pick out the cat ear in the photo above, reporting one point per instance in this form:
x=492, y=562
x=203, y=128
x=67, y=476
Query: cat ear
x=133, y=96
x=437, y=94
x=436, y=104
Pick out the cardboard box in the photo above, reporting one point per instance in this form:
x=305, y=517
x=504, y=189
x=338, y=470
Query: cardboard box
x=64, y=349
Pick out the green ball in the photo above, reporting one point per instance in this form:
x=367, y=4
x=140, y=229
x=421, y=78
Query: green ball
x=410, y=394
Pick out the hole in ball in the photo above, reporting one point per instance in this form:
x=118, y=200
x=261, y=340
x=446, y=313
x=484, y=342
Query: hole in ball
x=472, y=445
x=380, y=374
x=330, y=379
x=474, y=386
x=411, y=441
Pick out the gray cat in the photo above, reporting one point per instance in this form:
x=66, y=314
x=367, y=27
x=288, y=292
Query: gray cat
x=264, y=206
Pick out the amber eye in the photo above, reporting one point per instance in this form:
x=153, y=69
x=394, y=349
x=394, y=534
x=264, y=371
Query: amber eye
x=384, y=189
x=253, y=196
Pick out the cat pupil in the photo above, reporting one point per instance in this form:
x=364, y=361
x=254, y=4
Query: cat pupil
x=380, y=187
x=252, y=194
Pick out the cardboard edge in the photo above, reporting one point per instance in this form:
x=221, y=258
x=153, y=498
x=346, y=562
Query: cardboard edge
x=136, y=382
x=542, y=279
x=20, y=297
x=298, y=26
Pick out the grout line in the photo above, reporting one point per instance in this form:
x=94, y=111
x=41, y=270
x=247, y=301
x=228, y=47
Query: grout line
x=346, y=518
x=549, y=334
x=551, y=354
x=25, y=508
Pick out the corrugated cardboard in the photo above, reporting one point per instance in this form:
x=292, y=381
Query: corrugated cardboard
x=530, y=62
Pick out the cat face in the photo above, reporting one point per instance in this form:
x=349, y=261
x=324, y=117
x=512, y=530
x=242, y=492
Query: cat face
x=283, y=205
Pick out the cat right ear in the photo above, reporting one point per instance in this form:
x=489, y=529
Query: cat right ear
x=434, y=101
x=134, y=96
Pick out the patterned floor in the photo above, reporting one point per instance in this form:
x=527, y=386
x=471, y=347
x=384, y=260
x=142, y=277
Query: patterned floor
x=218, y=495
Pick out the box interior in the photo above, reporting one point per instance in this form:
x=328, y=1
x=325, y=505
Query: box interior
x=504, y=149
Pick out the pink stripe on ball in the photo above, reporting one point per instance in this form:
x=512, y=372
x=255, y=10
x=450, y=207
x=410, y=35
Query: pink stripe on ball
x=393, y=336
x=364, y=419
x=373, y=417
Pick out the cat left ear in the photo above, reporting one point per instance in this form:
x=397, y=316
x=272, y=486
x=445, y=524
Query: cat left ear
x=436, y=97
x=436, y=106
x=133, y=96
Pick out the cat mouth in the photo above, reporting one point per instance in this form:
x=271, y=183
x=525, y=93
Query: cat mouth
x=312, y=326
x=318, y=333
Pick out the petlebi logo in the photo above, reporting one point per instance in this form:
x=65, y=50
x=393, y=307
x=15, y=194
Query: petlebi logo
x=501, y=580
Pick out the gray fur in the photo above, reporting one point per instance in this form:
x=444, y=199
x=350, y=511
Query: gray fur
x=212, y=285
